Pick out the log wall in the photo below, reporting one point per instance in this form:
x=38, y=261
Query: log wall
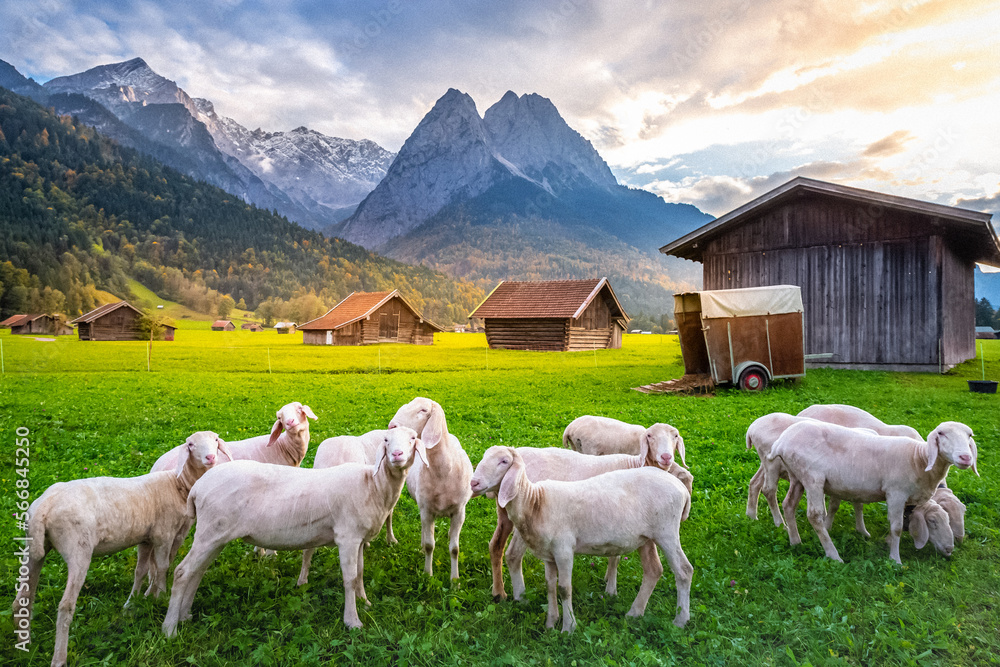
x=527, y=334
x=120, y=324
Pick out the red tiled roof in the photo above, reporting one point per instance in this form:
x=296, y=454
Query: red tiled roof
x=357, y=306
x=543, y=298
x=101, y=311
x=221, y=323
x=17, y=320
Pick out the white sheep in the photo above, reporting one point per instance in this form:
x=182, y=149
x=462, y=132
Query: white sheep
x=339, y=450
x=955, y=509
x=555, y=463
x=602, y=435
x=852, y=417
x=283, y=507
x=104, y=515
x=442, y=488
x=610, y=514
x=850, y=464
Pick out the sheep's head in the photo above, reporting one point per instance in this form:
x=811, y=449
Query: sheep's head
x=293, y=418
x=659, y=443
x=955, y=509
x=203, y=447
x=491, y=475
x=953, y=442
x=400, y=448
x=425, y=417
x=929, y=521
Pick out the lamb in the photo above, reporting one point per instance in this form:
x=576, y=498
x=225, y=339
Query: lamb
x=954, y=508
x=442, y=488
x=103, y=515
x=852, y=417
x=286, y=445
x=610, y=514
x=862, y=467
x=567, y=465
x=347, y=449
x=283, y=507
x=602, y=435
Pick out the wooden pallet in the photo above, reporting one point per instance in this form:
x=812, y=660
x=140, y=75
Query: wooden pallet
x=689, y=384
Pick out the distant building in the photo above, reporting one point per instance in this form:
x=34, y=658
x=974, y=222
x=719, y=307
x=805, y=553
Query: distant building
x=285, y=327
x=112, y=321
x=223, y=325
x=251, y=326
x=364, y=318
x=568, y=315
x=986, y=333
x=52, y=325
x=887, y=281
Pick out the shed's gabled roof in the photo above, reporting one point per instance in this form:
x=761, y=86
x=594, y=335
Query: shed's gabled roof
x=690, y=245
x=18, y=320
x=357, y=306
x=101, y=311
x=544, y=299
x=222, y=323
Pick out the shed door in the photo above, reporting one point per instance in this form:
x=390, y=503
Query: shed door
x=388, y=326
x=329, y=338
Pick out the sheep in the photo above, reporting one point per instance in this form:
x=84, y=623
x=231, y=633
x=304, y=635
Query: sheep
x=955, y=509
x=602, y=435
x=283, y=507
x=442, y=488
x=347, y=449
x=610, y=514
x=286, y=445
x=852, y=417
x=104, y=515
x=862, y=467
x=567, y=465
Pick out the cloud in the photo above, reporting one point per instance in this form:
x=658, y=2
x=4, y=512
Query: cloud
x=890, y=145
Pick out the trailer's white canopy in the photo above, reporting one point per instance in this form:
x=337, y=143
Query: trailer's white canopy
x=747, y=302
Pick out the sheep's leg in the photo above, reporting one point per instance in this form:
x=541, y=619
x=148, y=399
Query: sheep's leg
x=564, y=566
x=790, y=504
x=859, y=519
x=772, y=473
x=831, y=510
x=307, y=555
x=25, y=599
x=141, y=569
x=683, y=573
x=611, y=576
x=427, y=540
x=349, y=569
x=360, y=581
x=551, y=580
x=497, y=542
x=816, y=512
x=187, y=577
x=895, y=505
x=158, y=573
x=753, y=492
x=77, y=562
x=515, y=558
x=652, y=570
x=390, y=537
x=454, y=531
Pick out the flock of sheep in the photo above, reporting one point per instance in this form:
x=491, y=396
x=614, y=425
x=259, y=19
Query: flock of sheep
x=615, y=489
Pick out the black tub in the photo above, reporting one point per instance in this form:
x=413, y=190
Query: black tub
x=983, y=386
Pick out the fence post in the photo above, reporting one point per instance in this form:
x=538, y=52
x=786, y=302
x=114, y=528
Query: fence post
x=3, y=369
x=268, y=361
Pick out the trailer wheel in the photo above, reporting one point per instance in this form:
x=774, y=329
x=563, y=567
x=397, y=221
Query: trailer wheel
x=753, y=379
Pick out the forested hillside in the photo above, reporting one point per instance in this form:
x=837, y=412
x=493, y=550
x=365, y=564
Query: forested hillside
x=79, y=213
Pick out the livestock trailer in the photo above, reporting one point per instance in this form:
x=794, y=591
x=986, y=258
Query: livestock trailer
x=745, y=337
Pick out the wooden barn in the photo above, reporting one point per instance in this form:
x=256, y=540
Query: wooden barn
x=51, y=325
x=986, y=333
x=223, y=325
x=251, y=326
x=887, y=281
x=364, y=318
x=112, y=321
x=285, y=327
x=567, y=315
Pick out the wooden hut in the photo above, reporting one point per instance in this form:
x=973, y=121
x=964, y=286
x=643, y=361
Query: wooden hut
x=51, y=325
x=223, y=325
x=285, y=327
x=568, y=315
x=887, y=281
x=112, y=321
x=168, y=331
x=251, y=326
x=986, y=333
x=364, y=318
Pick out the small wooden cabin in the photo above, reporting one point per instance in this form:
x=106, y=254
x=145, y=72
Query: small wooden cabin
x=112, y=321
x=986, y=333
x=168, y=331
x=364, y=318
x=251, y=326
x=566, y=315
x=51, y=325
x=223, y=325
x=887, y=282
x=285, y=327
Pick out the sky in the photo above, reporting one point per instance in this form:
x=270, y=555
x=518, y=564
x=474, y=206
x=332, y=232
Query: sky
x=710, y=103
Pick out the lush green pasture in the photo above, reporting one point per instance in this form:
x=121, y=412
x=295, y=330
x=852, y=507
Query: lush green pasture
x=93, y=409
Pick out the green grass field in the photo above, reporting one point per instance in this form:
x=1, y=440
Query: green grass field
x=94, y=409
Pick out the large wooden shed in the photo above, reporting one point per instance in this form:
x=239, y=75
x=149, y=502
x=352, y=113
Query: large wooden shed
x=41, y=323
x=887, y=281
x=567, y=315
x=363, y=318
x=223, y=325
x=112, y=321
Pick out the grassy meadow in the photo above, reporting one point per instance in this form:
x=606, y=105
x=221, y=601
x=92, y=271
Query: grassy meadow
x=94, y=409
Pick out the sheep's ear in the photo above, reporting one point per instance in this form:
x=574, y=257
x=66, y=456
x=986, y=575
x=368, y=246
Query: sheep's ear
x=224, y=448
x=380, y=463
x=434, y=427
x=275, y=432
x=918, y=529
x=932, y=449
x=421, y=451
x=307, y=411
x=182, y=459
x=680, y=449
x=644, y=448
x=508, y=485
x=975, y=456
